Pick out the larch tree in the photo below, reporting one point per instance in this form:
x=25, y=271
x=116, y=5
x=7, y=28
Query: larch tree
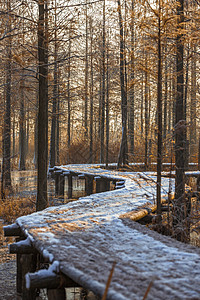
x=6, y=168
x=180, y=127
x=42, y=199
x=123, y=153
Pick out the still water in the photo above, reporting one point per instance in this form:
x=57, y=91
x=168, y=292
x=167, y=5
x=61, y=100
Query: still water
x=25, y=183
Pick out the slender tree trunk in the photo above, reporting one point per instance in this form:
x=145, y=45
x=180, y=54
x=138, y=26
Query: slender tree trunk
x=146, y=115
x=193, y=110
x=165, y=95
x=100, y=99
x=142, y=104
x=22, y=126
x=52, y=154
x=42, y=200
x=102, y=131
x=27, y=132
x=132, y=78
x=58, y=126
x=13, y=135
x=86, y=71
x=22, y=134
x=159, y=109
x=6, y=170
x=107, y=107
x=180, y=127
x=123, y=154
x=91, y=92
x=68, y=94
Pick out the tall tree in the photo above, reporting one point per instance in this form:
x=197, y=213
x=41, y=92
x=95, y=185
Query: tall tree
x=159, y=111
x=52, y=154
x=102, y=113
x=91, y=92
x=6, y=172
x=193, y=110
x=123, y=153
x=86, y=71
x=42, y=199
x=107, y=103
x=180, y=128
x=22, y=132
x=132, y=78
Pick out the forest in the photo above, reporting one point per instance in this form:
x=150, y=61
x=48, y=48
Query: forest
x=99, y=82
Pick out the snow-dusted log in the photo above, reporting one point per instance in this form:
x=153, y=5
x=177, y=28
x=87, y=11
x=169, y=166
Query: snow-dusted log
x=48, y=279
x=22, y=247
x=12, y=230
x=139, y=214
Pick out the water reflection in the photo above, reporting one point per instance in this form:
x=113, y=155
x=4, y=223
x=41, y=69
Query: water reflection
x=25, y=183
x=78, y=188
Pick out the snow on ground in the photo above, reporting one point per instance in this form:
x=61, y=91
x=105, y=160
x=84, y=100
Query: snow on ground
x=87, y=236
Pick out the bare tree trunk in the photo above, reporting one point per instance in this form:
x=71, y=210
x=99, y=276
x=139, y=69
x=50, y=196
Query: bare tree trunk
x=180, y=127
x=123, y=154
x=22, y=126
x=58, y=126
x=132, y=78
x=102, y=131
x=13, y=135
x=42, y=200
x=146, y=115
x=193, y=110
x=86, y=71
x=107, y=107
x=91, y=92
x=159, y=110
x=52, y=154
x=6, y=171
x=22, y=133
x=69, y=94
x=166, y=94
x=142, y=105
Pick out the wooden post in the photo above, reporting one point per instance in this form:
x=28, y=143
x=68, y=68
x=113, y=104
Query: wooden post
x=70, y=187
x=107, y=185
x=62, y=185
x=102, y=184
x=57, y=180
x=58, y=294
x=28, y=263
x=88, y=185
x=58, y=174
x=19, y=273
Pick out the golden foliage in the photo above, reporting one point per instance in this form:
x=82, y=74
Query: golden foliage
x=15, y=207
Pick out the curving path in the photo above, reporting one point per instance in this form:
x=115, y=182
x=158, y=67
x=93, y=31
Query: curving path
x=85, y=237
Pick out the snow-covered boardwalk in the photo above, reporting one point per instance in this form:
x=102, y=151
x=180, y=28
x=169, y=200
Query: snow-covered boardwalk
x=84, y=238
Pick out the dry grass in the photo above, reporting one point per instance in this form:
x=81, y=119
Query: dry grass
x=10, y=210
x=14, y=207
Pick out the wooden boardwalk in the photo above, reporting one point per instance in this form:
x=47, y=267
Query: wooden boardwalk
x=83, y=239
